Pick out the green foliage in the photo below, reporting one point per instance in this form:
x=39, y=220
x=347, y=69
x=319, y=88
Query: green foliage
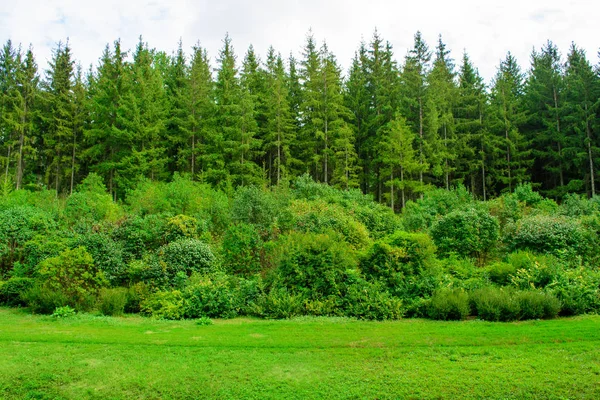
x=214, y=296
x=578, y=291
x=107, y=255
x=314, y=264
x=255, y=206
x=496, y=304
x=63, y=312
x=187, y=256
x=399, y=255
x=204, y=321
x=182, y=226
x=74, y=274
x=12, y=291
x=501, y=273
x=279, y=303
x=538, y=305
x=139, y=235
x=43, y=300
x=91, y=203
x=559, y=236
x=113, y=301
x=164, y=305
x=242, y=248
x=524, y=193
x=369, y=300
x=320, y=217
x=468, y=233
x=448, y=304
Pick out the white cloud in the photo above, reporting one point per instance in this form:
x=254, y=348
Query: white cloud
x=486, y=31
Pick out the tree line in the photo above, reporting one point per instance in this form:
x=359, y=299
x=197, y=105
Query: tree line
x=391, y=129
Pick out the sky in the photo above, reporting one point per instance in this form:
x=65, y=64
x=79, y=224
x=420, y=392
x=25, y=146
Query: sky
x=487, y=30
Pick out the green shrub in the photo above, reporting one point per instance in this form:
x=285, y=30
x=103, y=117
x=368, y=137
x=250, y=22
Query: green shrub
x=533, y=271
x=496, y=304
x=242, y=247
x=13, y=290
x=449, y=304
x=204, y=321
x=113, y=301
x=578, y=291
x=279, y=303
x=212, y=296
x=397, y=256
x=535, y=304
x=368, y=300
x=63, y=312
x=164, y=305
x=559, y=236
x=460, y=268
x=524, y=193
x=256, y=206
x=74, y=274
x=139, y=235
x=136, y=294
x=37, y=250
x=501, y=273
x=43, y=300
x=314, y=264
x=182, y=226
x=574, y=205
x=91, y=203
x=469, y=233
x=107, y=255
x=187, y=256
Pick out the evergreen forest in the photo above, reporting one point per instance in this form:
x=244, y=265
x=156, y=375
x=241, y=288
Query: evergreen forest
x=178, y=187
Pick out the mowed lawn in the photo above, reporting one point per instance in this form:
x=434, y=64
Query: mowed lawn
x=138, y=358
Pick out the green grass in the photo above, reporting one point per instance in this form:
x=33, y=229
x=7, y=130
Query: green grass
x=132, y=357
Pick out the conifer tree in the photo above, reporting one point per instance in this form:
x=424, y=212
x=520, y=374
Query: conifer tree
x=583, y=103
x=10, y=64
x=512, y=159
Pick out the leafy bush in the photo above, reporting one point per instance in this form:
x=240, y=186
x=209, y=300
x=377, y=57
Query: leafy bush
x=368, y=300
x=578, y=291
x=37, y=250
x=524, y=193
x=496, y=304
x=279, y=303
x=314, y=264
x=136, y=294
x=548, y=234
x=204, y=321
x=113, y=301
x=320, y=217
x=212, y=296
x=449, y=304
x=402, y=254
x=187, y=256
x=534, y=271
x=91, y=203
x=43, y=300
x=469, y=233
x=164, y=305
x=535, y=304
x=501, y=273
x=139, y=235
x=574, y=205
x=182, y=226
x=255, y=206
x=63, y=312
x=12, y=291
x=107, y=255
x=242, y=247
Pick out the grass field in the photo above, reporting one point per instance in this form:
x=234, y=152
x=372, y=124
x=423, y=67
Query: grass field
x=132, y=357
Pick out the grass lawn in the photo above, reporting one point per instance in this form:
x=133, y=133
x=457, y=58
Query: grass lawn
x=133, y=357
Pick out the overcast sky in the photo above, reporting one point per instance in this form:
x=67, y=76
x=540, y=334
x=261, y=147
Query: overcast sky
x=486, y=31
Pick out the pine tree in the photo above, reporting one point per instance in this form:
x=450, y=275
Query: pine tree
x=10, y=121
x=80, y=122
x=442, y=93
x=544, y=97
x=583, y=103
x=294, y=99
x=175, y=73
x=200, y=127
x=397, y=157
x=473, y=139
x=279, y=121
x=414, y=95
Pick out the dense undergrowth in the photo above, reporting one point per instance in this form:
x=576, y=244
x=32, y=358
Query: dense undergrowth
x=183, y=250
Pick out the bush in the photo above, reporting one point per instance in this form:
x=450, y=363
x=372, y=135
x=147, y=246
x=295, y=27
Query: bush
x=139, y=235
x=535, y=304
x=212, y=296
x=314, y=264
x=91, y=203
x=501, y=273
x=182, y=226
x=136, y=294
x=368, y=300
x=494, y=304
x=113, y=301
x=43, y=300
x=578, y=291
x=559, y=236
x=279, y=303
x=448, y=304
x=63, y=312
x=107, y=255
x=255, y=206
x=37, y=250
x=468, y=233
x=397, y=256
x=187, y=256
x=74, y=274
x=242, y=247
x=13, y=290
x=164, y=305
